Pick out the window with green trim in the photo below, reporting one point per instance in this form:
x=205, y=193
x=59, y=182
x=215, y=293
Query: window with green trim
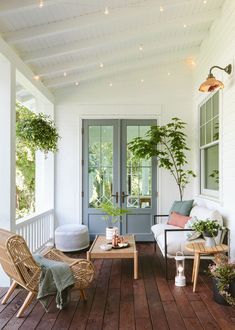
x=209, y=146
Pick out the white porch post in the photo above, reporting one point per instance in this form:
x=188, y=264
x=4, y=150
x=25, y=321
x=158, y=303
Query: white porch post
x=7, y=151
x=44, y=168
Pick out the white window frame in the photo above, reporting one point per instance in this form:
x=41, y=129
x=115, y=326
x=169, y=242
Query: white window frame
x=209, y=193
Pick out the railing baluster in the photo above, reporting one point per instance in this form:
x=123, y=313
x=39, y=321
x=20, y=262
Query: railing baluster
x=36, y=229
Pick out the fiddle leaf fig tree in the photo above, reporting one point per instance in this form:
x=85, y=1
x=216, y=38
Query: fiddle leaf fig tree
x=168, y=144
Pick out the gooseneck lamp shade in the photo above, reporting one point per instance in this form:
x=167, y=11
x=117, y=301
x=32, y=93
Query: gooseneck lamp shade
x=211, y=83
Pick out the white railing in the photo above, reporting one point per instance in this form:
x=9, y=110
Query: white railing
x=37, y=229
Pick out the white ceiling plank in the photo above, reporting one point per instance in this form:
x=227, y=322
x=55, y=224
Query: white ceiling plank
x=86, y=21
x=16, y=6
x=24, y=74
x=119, y=56
x=19, y=89
x=114, y=39
x=25, y=98
x=162, y=59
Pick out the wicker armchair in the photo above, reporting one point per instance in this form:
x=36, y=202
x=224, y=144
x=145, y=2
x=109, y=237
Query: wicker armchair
x=18, y=263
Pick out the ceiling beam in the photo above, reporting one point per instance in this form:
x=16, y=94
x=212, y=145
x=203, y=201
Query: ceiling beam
x=146, y=33
x=86, y=21
x=16, y=6
x=122, y=55
x=162, y=59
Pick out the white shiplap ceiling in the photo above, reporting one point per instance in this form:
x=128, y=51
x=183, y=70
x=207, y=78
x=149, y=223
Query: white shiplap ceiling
x=65, y=41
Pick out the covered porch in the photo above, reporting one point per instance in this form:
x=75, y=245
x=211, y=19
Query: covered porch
x=116, y=65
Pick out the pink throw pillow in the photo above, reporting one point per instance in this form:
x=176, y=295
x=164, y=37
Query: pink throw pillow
x=178, y=220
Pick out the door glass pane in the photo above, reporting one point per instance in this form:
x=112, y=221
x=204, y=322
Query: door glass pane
x=100, y=167
x=212, y=167
x=139, y=173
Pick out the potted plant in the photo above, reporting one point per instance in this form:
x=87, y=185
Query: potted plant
x=168, y=144
x=112, y=217
x=209, y=230
x=223, y=280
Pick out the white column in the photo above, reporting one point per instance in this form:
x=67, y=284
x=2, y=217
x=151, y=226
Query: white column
x=7, y=151
x=44, y=169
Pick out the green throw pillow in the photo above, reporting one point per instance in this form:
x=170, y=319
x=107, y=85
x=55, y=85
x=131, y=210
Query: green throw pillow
x=183, y=207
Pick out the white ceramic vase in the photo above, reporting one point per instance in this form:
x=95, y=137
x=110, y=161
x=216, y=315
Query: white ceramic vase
x=110, y=231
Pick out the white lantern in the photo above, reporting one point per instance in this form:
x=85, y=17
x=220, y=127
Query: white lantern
x=180, y=279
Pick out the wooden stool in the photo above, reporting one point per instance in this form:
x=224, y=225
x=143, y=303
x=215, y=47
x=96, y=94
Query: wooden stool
x=198, y=249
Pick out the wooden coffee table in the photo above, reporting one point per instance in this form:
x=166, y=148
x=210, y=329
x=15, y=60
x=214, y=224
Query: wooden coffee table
x=129, y=252
x=200, y=249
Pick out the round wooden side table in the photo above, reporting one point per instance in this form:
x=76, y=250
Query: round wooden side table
x=200, y=249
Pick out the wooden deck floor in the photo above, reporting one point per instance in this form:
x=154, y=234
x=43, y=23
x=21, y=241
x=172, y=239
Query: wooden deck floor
x=116, y=301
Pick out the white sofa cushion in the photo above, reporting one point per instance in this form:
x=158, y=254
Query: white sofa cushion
x=203, y=213
x=176, y=241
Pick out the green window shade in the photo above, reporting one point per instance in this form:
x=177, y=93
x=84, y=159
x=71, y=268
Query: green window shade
x=215, y=101
x=203, y=114
x=203, y=135
x=211, y=173
x=216, y=128
x=208, y=110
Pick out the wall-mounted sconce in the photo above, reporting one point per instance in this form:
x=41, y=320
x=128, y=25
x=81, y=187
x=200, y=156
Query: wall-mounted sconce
x=211, y=82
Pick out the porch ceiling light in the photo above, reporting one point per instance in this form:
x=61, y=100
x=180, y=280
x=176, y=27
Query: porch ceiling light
x=211, y=82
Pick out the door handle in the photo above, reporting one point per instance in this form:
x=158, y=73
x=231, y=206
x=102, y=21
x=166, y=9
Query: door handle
x=123, y=196
x=116, y=197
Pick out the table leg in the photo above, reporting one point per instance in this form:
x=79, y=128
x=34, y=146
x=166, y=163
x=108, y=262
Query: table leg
x=196, y=270
x=136, y=265
x=193, y=271
x=88, y=256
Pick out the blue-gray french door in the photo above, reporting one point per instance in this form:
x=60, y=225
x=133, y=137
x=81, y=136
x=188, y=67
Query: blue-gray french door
x=111, y=173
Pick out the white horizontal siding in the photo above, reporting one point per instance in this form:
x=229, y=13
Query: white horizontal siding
x=219, y=49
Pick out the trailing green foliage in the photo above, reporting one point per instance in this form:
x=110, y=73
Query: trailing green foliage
x=33, y=132
x=168, y=144
x=36, y=131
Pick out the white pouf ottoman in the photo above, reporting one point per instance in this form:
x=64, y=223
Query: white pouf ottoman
x=71, y=237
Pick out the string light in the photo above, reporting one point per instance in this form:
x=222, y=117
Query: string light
x=185, y=25
x=142, y=80
x=168, y=73
x=36, y=77
x=140, y=48
x=76, y=83
x=65, y=74
x=110, y=84
x=205, y=2
x=106, y=11
x=101, y=65
x=41, y=4
x=161, y=9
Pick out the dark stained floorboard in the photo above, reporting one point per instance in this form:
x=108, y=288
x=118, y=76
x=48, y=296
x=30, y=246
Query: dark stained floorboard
x=116, y=301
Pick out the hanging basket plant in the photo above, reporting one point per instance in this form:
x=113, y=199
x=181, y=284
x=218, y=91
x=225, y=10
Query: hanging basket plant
x=36, y=131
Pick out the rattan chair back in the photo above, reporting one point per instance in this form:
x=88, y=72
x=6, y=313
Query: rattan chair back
x=17, y=260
